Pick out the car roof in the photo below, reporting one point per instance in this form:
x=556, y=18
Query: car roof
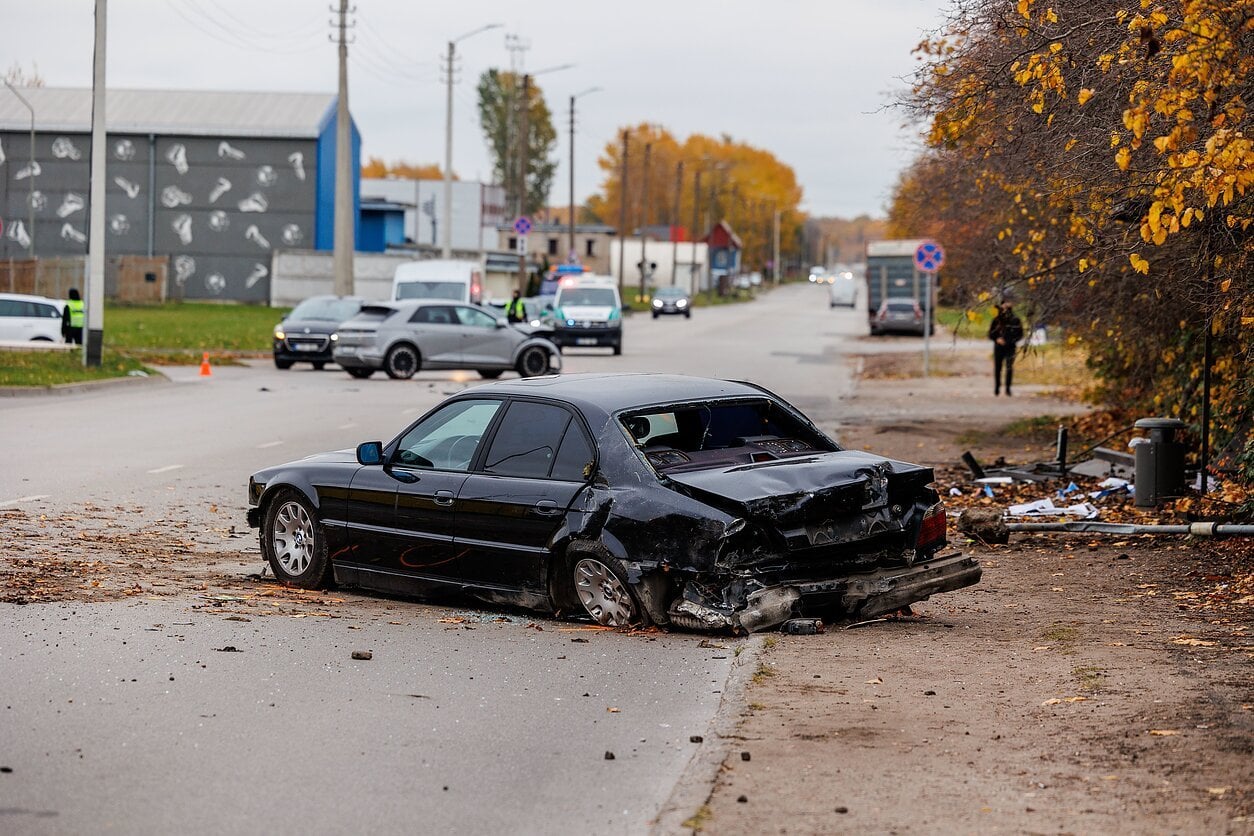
x=611, y=393
x=26, y=297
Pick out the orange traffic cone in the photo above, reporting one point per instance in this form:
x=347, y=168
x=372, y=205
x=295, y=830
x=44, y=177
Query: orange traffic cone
x=205, y=371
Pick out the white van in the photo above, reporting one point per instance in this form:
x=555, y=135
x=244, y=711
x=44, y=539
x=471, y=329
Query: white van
x=588, y=312
x=456, y=281
x=27, y=318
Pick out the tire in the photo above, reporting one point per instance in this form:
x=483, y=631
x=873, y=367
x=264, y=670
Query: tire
x=533, y=362
x=489, y=374
x=283, y=364
x=402, y=362
x=319, y=365
x=360, y=374
x=293, y=541
x=600, y=586
x=687, y=314
x=618, y=347
x=655, y=314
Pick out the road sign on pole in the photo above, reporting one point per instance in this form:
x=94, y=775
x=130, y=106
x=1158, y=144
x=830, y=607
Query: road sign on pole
x=522, y=225
x=521, y=246
x=928, y=258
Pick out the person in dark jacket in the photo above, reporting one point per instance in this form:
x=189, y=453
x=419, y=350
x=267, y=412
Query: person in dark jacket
x=1005, y=331
x=72, y=319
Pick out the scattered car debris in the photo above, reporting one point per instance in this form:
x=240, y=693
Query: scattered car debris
x=802, y=626
x=230, y=648
x=363, y=655
x=609, y=756
x=984, y=524
x=696, y=738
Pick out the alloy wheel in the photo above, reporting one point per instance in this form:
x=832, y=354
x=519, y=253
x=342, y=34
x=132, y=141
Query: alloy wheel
x=602, y=594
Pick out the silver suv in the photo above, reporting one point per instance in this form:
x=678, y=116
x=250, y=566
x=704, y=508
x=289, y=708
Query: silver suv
x=404, y=337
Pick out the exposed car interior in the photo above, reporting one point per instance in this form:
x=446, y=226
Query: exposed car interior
x=699, y=436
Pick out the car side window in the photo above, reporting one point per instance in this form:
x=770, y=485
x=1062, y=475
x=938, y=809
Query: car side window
x=574, y=456
x=434, y=315
x=527, y=440
x=10, y=307
x=472, y=317
x=449, y=438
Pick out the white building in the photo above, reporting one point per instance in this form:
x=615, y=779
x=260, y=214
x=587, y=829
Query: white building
x=478, y=208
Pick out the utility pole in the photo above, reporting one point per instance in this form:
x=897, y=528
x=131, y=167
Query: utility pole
x=622, y=213
x=93, y=338
x=446, y=249
x=570, y=221
x=344, y=220
x=696, y=219
x=644, y=220
x=679, y=189
x=524, y=136
x=775, y=259
x=517, y=48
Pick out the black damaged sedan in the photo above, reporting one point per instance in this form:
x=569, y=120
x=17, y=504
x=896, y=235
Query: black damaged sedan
x=637, y=498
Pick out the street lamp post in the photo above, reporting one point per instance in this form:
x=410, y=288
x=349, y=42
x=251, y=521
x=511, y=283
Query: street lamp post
x=570, y=220
x=30, y=181
x=523, y=148
x=447, y=238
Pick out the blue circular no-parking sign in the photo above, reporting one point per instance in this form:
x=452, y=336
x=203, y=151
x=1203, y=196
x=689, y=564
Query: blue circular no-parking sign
x=929, y=257
x=523, y=225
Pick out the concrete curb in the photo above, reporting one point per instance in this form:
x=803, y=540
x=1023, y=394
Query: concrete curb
x=81, y=386
x=696, y=784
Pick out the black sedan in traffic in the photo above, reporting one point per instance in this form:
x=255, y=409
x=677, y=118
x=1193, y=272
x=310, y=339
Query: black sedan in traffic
x=304, y=335
x=634, y=499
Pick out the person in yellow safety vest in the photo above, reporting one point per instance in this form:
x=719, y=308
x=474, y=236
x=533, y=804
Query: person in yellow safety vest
x=72, y=319
x=515, y=310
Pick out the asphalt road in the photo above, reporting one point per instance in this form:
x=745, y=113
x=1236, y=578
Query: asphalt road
x=129, y=716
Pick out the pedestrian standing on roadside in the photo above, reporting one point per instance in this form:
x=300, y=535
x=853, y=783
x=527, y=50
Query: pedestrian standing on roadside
x=72, y=319
x=1005, y=331
x=515, y=310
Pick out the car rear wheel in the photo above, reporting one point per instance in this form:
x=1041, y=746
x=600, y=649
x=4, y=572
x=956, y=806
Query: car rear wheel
x=360, y=373
x=402, y=362
x=489, y=374
x=601, y=586
x=319, y=365
x=534, y=361
x=293, y=541
x=282, y=364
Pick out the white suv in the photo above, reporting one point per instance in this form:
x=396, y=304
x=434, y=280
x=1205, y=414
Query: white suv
x=25, y=318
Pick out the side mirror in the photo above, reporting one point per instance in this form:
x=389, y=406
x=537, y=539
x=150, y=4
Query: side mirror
x=501, y=322
x=370, y=452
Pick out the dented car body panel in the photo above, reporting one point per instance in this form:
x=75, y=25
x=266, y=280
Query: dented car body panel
x=726, y=508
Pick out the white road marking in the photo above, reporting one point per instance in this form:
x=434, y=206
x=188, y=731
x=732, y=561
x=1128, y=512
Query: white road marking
x=347, y=426
x=166, y=469
x=412, y=411
x=22, y=499
x=269, y=444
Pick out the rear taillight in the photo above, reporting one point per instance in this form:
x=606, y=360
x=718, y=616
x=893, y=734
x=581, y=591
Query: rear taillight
x=932, y=530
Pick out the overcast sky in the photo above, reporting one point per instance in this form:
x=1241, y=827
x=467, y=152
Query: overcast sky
x=807, y=80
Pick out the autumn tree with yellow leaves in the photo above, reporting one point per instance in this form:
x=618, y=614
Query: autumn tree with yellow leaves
x=1093, y=159
x=739, y=184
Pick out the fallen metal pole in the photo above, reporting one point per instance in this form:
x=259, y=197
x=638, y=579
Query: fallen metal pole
x=1198, y=529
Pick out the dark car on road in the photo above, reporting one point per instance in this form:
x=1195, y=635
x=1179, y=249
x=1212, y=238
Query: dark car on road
x=701, y=504
x=304, y=335
x=898, y=316
x=673, y=301
x=402, y=338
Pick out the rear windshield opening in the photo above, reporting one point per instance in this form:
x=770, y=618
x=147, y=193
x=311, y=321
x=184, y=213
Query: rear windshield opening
x=577, y=296
x=431, y=290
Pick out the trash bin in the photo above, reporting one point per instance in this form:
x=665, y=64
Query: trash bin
x=1159, y=463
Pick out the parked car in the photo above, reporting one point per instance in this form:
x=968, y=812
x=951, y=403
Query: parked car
x=633, y=498
x=30, y=318
x=402, y=338
x=304, y=335
x=898, y=316
x=671, y=300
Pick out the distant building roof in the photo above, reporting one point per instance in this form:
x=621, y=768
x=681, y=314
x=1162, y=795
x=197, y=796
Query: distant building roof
x=186, y=112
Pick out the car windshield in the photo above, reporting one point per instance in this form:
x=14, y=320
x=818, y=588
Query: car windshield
x=332, y=310
x=374, y=313
x=754, y=430
x=601, y=296
x=670, y=293
x=431, y=290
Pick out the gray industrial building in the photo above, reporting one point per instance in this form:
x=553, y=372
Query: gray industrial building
x=216, y=182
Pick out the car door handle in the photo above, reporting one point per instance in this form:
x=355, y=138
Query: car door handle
x=444, y=498
x=547, y=508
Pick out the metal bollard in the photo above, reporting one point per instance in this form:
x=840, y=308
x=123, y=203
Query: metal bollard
x=1160, y=463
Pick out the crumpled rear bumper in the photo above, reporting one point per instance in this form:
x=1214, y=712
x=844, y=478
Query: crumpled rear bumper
x=866, y=594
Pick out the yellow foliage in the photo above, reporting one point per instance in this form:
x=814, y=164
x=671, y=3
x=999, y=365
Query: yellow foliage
x=1139, y=264
x=1085, y=94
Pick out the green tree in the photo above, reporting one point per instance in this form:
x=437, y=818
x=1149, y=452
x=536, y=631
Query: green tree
x=500, y=117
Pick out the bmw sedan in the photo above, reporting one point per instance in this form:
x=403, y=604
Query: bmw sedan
x=404, y=337
x=630, y=499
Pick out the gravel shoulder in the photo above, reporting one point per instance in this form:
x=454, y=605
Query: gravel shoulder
x=1085, y=685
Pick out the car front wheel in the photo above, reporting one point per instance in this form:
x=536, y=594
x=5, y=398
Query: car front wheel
x=282, y=364
x=361, y=374
x=534, y=361
x=489, y=374
x=601, y=586
x=402, y=362
x=293, y=541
